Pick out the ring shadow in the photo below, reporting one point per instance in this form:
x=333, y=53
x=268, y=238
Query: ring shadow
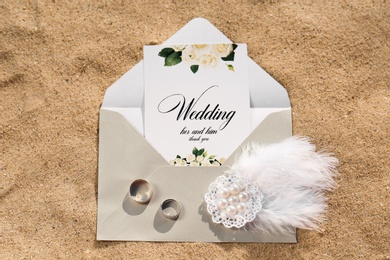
x=162, y=224
x=133, y=208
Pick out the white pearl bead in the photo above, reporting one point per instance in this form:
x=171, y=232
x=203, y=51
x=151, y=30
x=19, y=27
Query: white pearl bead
x=234, y=189
x=243, y=196
x=222, y=203
x=231, y=210
x=233, y=200
x=224, y=193
x=223, y=215
x=241, y=207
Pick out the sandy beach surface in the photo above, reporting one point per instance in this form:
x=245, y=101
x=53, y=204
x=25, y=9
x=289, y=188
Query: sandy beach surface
x=57, y=58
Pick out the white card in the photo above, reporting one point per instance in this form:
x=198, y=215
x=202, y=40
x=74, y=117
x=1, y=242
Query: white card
x=196, y=103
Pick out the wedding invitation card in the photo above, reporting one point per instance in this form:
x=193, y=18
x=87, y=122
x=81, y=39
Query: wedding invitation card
x=196, y=101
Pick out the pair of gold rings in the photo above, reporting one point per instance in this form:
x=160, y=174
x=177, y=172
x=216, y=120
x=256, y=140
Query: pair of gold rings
x=141, y=191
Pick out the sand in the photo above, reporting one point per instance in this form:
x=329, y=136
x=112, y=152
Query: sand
x=57, y=58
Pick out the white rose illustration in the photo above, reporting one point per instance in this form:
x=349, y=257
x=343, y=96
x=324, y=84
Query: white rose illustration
x=190, y=158
x=180, y=162
x=199, y=55
x=205, y=163
x=201, y=48
x=208, y=60
x=198, y=157
x=189, y=55
x=179, y=47
x=222, y=50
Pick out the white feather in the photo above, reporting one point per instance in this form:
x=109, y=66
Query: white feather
x=293, y=177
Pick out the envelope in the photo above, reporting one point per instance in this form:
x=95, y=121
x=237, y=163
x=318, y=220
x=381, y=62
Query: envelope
x=125, y=155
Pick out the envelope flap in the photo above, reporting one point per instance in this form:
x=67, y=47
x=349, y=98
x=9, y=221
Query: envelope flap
x=198, y=30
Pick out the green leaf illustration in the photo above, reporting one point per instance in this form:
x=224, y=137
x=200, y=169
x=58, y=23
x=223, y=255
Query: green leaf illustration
x=194, y=68
x=200, y=152
x=212, y=157
x=178, y=157
x=234, y=46
x=166, y=52
x=230, y=67
x=195, y=151
x=173, y=59
x=230, y=57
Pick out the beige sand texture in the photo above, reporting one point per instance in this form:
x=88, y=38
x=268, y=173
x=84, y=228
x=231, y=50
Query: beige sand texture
x=57, y=58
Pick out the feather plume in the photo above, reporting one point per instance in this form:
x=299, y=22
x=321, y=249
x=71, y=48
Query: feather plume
x=293, y=178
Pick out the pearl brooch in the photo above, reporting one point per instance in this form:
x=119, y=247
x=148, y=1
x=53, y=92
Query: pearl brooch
x=230, y=198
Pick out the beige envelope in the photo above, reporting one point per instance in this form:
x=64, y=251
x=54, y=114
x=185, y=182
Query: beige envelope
x=125, y=155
